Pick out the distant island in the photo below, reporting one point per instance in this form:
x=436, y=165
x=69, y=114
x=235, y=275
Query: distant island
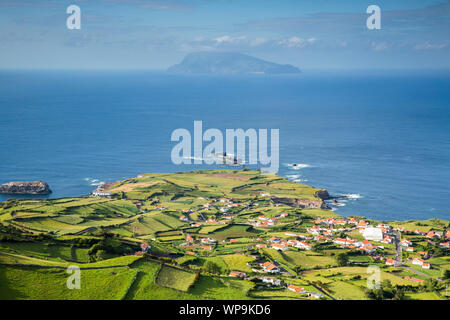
x=229, y=63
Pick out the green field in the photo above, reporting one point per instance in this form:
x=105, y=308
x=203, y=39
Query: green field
x=237, y=262
x=39, y=239
x=175, y=278
x=50, y=284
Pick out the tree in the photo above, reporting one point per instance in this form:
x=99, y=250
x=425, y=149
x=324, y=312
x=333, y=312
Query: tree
x=211, y=267
x=399, y=294
x=430, y=284
x=342, y=259
x=445, y=274
x=101, y=255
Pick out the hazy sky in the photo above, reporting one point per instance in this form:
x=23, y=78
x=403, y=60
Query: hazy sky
x=154, y=34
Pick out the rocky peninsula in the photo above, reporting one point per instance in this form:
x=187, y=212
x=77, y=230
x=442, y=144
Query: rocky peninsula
x=25, y=187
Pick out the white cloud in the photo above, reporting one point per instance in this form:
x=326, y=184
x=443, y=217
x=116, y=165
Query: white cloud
x=380, y=46
x=258, y=41
x=430, y=46
x=296, y=42
x=230, y=40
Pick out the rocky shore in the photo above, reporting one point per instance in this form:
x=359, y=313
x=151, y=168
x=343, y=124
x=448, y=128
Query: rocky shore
x=24, y=187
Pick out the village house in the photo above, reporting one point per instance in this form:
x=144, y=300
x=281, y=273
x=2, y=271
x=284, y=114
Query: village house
x=445, y=244
x=362, y=224
x=303, y=245
x=340, y=241
x=314, y=230
x=237, y=274
x=321, y=238
x=290, y=234
x=279, y=246
x=390, y=262
x=207, y=240
x=387, y=239
x=270, y=267
x=413, y=279
x=315, y=295
x=432, y=235
x=275, y=240
x=296, y=289
x=198, y=224
x=385, y=228
x=272, y=281
x=405, y=243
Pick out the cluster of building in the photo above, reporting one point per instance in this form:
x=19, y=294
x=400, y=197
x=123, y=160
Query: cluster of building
x=290, y=287
x=283, y=244
x=202, y=243
x=264, y=221
x=363, y=245
x=421, y=262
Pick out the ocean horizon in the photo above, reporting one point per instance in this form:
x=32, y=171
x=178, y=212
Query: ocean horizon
x=379, y=137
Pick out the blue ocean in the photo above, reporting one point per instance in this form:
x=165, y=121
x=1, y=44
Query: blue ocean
x=380, y=137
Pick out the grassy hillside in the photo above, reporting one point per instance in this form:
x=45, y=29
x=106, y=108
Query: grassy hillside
x=197, y=227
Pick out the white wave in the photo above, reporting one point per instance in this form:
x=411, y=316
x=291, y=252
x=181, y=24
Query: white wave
x=339, y=204
x=293, y=176
x=353, y=196
x=298, y=166
x=300, y=180
x=94, y=182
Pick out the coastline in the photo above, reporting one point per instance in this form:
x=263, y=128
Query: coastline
x=322, y=194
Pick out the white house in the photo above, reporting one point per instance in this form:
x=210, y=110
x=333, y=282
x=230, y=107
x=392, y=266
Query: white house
x=273, y=281
x=303, y=245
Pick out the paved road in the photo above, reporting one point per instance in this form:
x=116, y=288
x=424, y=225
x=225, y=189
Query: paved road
x=320, y=290
x=398, y=249
x=421, y=273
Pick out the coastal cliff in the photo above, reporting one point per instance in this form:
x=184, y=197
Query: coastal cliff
x=33, y=187
x=301, y=203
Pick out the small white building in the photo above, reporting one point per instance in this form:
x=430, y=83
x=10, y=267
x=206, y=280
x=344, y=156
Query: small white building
x=273, y=281
x=101, y=193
